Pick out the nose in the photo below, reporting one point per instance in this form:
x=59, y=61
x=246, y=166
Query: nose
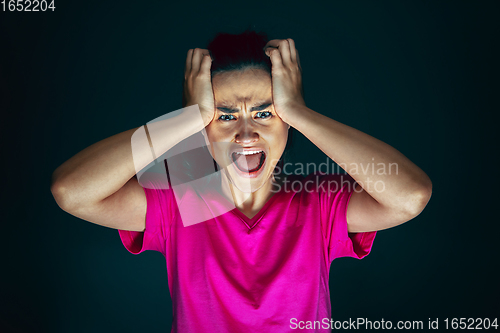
x=246, y=133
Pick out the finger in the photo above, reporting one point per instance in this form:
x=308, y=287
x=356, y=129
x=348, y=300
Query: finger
x=195, y=64
x=206, y=63
x=284, y=48
x=204, y=51
x=273, y=43
x=293, y=53
x=298, y=59
x=275, y=56
x=189, y=59
x=267, y=49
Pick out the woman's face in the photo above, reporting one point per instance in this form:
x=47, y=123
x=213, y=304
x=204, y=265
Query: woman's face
x=247, y=137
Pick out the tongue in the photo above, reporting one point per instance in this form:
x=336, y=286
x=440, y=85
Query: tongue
x=248, y=163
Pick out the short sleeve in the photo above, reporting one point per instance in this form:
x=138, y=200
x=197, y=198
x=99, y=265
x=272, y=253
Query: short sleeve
x=159, y=214
x=334, y=200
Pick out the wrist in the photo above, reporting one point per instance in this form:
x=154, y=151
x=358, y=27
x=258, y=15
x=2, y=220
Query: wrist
x=193, y=114
x=296, y=114
x=198, y=111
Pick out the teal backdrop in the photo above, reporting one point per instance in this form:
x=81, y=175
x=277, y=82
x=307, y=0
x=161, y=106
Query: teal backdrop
x=418, y=75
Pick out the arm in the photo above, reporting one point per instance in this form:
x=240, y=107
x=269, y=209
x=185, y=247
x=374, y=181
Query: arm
x=387, y=198
x=98, y=183
x=404, y=193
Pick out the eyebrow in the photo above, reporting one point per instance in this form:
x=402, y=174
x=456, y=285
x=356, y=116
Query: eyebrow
x=236, y=110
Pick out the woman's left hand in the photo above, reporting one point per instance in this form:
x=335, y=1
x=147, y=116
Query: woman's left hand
x=288, y=95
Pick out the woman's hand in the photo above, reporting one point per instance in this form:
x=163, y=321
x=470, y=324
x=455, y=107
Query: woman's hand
x=198, y=84
x=288, y=95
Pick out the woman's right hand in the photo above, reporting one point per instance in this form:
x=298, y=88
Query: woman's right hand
x=198, y=83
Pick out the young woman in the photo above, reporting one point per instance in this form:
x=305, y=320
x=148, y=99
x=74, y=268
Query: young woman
x=264, y=265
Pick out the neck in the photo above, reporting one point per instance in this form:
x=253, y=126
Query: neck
x=248, y=203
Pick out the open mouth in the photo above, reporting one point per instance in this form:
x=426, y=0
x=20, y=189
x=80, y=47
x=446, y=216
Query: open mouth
x=249, y=161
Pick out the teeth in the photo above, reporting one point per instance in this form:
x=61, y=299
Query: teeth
x=248, y=152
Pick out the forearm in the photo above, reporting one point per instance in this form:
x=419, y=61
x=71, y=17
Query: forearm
x=104, y=167
x=386, y=174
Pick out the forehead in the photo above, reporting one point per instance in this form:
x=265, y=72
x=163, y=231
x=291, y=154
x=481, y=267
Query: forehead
x=250, y=86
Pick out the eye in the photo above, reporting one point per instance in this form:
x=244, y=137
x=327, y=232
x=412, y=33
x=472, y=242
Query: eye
x=264, y=114
x=226, y=117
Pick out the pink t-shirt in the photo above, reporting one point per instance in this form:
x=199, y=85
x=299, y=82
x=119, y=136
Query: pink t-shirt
x=235, y=274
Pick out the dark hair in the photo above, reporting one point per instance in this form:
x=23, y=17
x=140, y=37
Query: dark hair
x=235, y=52
x=238, y=52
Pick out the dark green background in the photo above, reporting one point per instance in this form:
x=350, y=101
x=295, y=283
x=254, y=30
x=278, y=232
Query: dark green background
x=418, y=75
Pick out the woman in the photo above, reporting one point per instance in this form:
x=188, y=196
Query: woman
x=247, y=252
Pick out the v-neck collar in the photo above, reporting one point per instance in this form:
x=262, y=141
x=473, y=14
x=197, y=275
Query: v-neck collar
x=249, y=222
x=252, y=222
